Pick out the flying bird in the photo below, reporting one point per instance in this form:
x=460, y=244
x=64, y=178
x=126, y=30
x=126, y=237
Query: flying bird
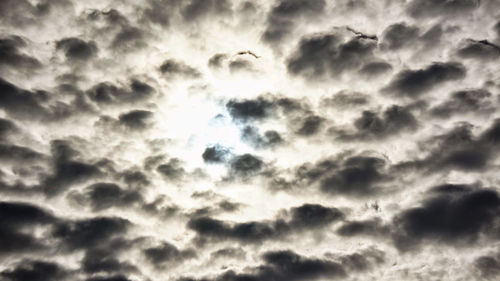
x=485, y=42
x=248, y=52
x=362, y=35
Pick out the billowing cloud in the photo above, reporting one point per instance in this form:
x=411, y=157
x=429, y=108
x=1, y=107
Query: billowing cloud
x=232, y=140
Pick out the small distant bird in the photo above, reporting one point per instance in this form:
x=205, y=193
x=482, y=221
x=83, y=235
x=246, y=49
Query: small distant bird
x=248, y=52
x=362, y=35
x=485, y=42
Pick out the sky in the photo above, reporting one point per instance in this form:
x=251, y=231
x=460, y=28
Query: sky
x=220, y=140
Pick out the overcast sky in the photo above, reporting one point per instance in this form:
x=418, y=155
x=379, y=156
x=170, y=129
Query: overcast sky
x=219, y=140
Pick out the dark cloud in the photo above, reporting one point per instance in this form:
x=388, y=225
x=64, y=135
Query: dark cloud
x=308, y=173
x=20, y=13
x=362, y=261
x=15, y=219
x=269, y=139
x=90, y=233
x=313, y=215
x=414, y=83
x=106, y=93
x=245, y=165
x=370, y=228
x=196, y=9
x=488, y=267
x=228, y=253
x=216, y=60
x=431, y=8
x=373, y=69
x=491, y=136
x=21, y=154
x=496, y=28
x=399, y=35
x=247, y=110
x=286, y=265
x=457, y=149
x=136, y=119
x=77, y=49
x=67, y=171
x=173, y=68
x=310, y=125
x=7, y=128
x=465, y=101
x=432, y=36
x=395, y=119
x=346, y=99
x=159, y=11
x=239, y=65
x=35, y=270
x=104, y=261
x=172, y=170
x=330, y=55
x=215, y=154
x=456, y=217
x=134, y=178
x=106, y=195
x=11, y=55
x=24, y=104
x=129, y=38
x=118, y=277
x=285, y=13
x=482, y=50
x=166, y=253
x=302, y=218
x=358, y=176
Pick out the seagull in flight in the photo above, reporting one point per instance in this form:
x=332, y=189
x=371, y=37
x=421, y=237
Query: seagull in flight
x=485, y=42
x=248, y=52
x=362, y=35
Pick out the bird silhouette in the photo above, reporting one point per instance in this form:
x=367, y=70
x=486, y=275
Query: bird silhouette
x=362, y=35
x=247, y=52
x=485, y=42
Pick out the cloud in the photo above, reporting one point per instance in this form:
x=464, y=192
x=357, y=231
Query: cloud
x=329, y=55
x=35, y=270
x=104, y=195
x=215, y=154
x=283, y=15
x=269, y=139
x=216, y=60
x=138, y=143
x=16, y=217
x=104, y=261
x=369, y=125
x=90, y=233
x=76, y=48
x=373, y=69
x=11, y=55
x=399, y=35
x=106, y=93
x=302, y=218
x=358, y=177
x=245, y=110
x=414, y=83
x=196, y=9
x=345, y=99
x=245, y=165
x=481, y=50
x=429, y=8
x=173, y=68
x=136, y=119
x=166, y=253
x=488, y=266
x=465, y=101
x=454, y=217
